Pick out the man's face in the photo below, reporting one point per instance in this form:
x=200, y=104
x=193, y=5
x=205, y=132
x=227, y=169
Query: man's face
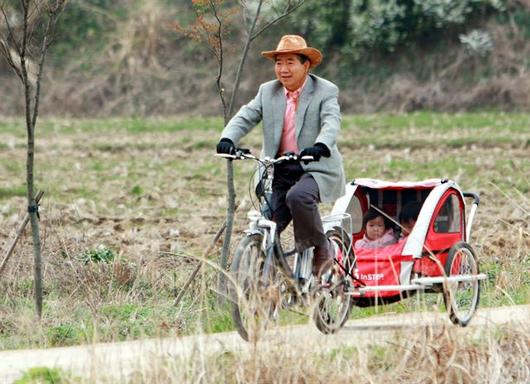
x=290, y=70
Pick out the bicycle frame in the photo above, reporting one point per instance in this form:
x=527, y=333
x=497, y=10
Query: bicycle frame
x=259, y=224
x=267, y=229
x=274, y=252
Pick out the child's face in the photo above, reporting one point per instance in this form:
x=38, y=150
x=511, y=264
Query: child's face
x=375, y=228
x=407, y=226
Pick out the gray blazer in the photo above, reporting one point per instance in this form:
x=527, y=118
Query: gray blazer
x=317, y=121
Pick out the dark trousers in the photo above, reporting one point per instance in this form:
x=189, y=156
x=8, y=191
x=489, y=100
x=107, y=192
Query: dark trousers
x=295, y=196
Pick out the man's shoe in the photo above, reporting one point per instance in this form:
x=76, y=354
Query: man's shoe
x=322, y=259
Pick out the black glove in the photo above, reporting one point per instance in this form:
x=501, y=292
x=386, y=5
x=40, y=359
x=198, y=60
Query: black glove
x=226, y=146
x=317, y=151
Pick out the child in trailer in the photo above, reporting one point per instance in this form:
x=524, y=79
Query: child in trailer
x=377, y=231
x=408, y=217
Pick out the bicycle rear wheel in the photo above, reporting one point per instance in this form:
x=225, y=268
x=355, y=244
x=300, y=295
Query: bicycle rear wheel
x=333, y=304
x=255, y=296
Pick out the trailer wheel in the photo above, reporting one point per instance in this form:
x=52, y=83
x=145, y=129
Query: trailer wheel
x=461, y=298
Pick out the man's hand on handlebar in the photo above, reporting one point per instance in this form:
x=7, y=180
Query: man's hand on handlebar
x=226, y=146
x=316, y=151
x=293, y=157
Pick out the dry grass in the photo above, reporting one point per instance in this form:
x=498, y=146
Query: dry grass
x=422, y=355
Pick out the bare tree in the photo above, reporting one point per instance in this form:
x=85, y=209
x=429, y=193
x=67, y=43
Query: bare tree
x=27, y=32
x=213, y=34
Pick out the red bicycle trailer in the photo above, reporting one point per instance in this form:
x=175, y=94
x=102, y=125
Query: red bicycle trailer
x=435, y=257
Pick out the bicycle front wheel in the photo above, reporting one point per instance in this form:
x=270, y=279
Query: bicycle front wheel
x=255, y=294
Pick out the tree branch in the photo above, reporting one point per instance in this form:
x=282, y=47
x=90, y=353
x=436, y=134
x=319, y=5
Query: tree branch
x=288, y=10
x=205, y=30
x=33, y=13
x=243, y=59
x=53, y=16
x=26, y=83
x=100, y=10
x=44, y=49
x=5, y=48
x=219, y=36
x=250, y=37
x=10, y=34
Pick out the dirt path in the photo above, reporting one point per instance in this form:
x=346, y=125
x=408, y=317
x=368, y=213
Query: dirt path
x=115, y=361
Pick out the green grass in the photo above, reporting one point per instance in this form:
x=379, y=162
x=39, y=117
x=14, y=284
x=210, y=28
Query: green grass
x=64, y=334
x=44, y=375
x=13, y=167
x=365, y=124
x=12, y=191
x=123, y=125
x=444, y=122
x=129, y=320
x=219, y=320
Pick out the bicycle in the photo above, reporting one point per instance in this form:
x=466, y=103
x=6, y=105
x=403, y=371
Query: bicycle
x=267, y=279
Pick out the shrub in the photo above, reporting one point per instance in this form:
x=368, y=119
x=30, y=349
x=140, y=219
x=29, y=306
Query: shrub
x=44, y=375
x=101, y=254
x=385, y=24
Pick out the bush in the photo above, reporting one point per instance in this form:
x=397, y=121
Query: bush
x=101, y=254
x=384, y=24
x=63, y=334
x=85, y=27
x=44, y=375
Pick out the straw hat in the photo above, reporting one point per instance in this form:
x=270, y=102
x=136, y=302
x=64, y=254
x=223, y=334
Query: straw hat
x=295, y=44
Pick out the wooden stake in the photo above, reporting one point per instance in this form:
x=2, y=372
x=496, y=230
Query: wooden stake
x=20, y=230
x=198, y=268
x=205, y=254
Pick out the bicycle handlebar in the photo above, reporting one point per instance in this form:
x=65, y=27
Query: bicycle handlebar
x=244, y=154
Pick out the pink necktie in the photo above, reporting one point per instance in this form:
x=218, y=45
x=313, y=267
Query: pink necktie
x=288, y=141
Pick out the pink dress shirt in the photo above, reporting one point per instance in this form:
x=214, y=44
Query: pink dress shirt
x=288, y=141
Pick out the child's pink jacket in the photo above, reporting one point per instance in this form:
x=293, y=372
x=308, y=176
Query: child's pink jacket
x=387, y=239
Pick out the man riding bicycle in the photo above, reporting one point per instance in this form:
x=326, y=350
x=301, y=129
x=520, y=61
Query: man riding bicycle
x=300, y=114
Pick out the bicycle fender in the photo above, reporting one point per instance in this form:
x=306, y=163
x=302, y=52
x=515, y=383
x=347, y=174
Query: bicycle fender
x=253, y=231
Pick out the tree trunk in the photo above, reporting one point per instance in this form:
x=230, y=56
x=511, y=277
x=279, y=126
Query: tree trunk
x=33, y=210
x=230, y=213
x=35, y=234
